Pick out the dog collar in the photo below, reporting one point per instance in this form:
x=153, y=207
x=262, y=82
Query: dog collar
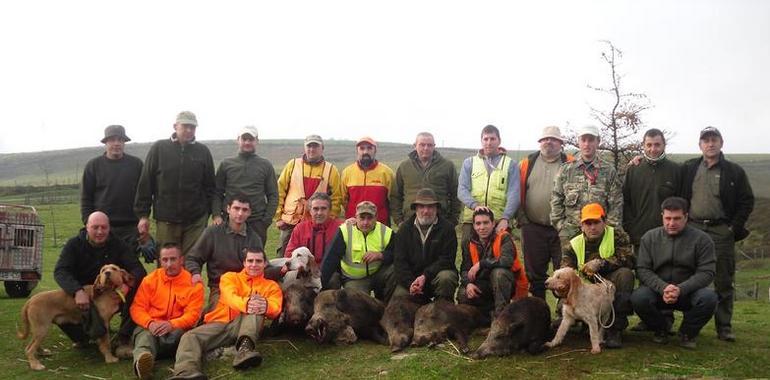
x=121, y=295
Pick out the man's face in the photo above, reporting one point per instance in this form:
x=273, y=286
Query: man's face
x=674, y=221
x=98, y=229
x=114, y=147
x=424, y=146
x=711, y=146
x=489, y=143
x=550, y=147
x=238, y=211
x=254, y=263
x=314, y=151
x=319, y=211
x=365, y=222
x=653, y=146
x=365, y=151
x=247, y=143
x=588, y=145
x=184, y=132
x=483, y=225
x=171, y=261
x=592, y=228
x=426, y=214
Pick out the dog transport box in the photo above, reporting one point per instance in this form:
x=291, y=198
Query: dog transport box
x=21, y=249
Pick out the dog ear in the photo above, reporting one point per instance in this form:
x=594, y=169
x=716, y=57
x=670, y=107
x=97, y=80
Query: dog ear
x=128, y=278
x=574, y=285
x=313, y=267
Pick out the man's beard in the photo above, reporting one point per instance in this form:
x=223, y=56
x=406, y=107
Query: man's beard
x=366, y=161
x=426, y=221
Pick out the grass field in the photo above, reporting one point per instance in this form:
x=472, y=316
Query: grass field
x=294, y=357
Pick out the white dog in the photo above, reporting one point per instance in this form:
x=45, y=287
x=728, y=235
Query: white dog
x=301, y=267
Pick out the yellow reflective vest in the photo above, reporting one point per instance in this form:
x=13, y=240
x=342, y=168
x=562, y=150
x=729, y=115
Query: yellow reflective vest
x=606, y=247
x=357, y=244
x=489, y=190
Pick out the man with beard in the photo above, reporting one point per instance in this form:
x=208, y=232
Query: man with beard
x=367, y=180
x=251, y=175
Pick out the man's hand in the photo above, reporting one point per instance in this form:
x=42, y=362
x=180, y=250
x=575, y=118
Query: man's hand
x=480, y=207
x=592, y=267
x=417, y=285
x=634, y=161
x=670, y=294
x=284, y=270
x=281, y=225
x=350, y=221
x=370, y=257
x=160, y=328
x=472, y=291
x=196, y=278
x=502, y=225
x=473, y=272
x=216, y=220
x=143, y=227
x=82, y=300
x=256, y=305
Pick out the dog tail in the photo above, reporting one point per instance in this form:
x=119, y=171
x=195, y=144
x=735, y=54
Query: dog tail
x=23, y=329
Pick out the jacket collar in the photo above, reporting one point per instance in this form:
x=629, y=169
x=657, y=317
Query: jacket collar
x=176, y=140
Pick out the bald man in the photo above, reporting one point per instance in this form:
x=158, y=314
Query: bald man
x=79, y=264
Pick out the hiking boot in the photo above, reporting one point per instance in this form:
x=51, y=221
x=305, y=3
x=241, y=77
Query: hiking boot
x=687, y=342
x=143, y=366
x=613, y=339
x=188, y=376
x=641, y=326
x=246, y=356
x=660, y=337
x=726, y=334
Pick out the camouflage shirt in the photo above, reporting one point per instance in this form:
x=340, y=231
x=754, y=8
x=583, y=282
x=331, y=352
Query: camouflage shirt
x=623, y=257
x=573, y=189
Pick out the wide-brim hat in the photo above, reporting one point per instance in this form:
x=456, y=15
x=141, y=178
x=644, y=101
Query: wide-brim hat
x=115, y=131
x=425, y=196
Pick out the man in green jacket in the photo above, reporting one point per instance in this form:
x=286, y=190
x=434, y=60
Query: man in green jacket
x=251, y=175
x=177, y=184
x=425, y=168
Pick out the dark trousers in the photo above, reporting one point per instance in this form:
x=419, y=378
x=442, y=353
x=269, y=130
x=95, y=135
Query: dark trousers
x=261, y=229
x=540, y=245
x=697, y=307
x=724, y=281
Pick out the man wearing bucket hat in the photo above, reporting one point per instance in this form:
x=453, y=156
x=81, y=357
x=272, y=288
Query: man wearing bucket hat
x=177, y=185
x=424, y=252
x=250, y=175
x=539, y=239
x=367, y=180
x=606, y=251
x=721, y=201
x=109, y=185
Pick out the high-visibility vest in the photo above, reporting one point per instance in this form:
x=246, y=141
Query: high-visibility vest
x=606, y=247
x=357, y=244
x=489, y=190
x=295, y=203
x=522, y=284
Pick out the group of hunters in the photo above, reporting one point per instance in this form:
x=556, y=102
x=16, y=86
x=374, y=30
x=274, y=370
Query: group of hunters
x=672, y=226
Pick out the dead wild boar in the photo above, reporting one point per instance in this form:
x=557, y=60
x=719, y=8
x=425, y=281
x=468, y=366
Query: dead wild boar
x=364, y=313
x=297, y=306
x=523, y=324
x=441, y=320
x=342, y=316
x=398, y=321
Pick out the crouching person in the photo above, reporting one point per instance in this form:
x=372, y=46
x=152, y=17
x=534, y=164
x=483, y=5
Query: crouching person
x=246, y=299
x=166, y=305
x=491, y=271
x=606, y=251
x=675, y=266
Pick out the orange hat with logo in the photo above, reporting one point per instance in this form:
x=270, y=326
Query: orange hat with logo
x=591, y=211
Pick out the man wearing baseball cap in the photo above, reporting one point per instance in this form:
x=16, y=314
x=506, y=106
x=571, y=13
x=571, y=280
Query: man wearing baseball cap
x=539, y=239
x=249, y=174
x=606, y=251
x=300, y=178
x=367, y=180
x=361, y=255
x=721, y=201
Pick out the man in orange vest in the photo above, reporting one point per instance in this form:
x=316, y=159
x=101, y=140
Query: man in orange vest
x=246, y=299
x=491, y=270
x=165, y=306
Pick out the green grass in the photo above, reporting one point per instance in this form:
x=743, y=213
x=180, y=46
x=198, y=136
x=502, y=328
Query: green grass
x=640, y=358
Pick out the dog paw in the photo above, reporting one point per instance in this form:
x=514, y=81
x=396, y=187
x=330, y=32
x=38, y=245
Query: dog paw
x=110, y=359
x=37, y=366
x=550, y=344
x=596, y=350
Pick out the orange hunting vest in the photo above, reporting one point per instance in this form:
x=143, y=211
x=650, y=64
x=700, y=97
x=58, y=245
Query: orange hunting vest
x=521, y=289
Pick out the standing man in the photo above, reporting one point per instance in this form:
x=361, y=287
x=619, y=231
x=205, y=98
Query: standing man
x=220, y=247
x=248, y=298
x=177, y=184
x=367, y=180
x=539, y=240
x=587, y=179
x=675, y=265
x=361, y=255
x=721, y=201
x=300, y=178
x=109, y=185
x=166, y=305
x=251, y=175
x=489, y=180
x=425, y=168
x=425, y=250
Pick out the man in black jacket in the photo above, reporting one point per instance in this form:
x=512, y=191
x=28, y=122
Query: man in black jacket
x=721, y=201
x=424, y=253
x=79, y=264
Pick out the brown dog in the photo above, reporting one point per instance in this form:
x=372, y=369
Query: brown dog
x=56, y=306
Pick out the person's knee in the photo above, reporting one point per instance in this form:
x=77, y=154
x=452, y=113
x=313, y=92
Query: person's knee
x=446, y=278
x=501, y=276
x=642, y=297
x=623, y=279
x=705, y=298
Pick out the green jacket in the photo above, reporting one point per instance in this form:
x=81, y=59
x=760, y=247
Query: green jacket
x=177, y=182
x=645, y=188
x=251, y=175
x=440, y=176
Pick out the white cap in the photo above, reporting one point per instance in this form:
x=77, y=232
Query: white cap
x=588, y=130
x=248, y=130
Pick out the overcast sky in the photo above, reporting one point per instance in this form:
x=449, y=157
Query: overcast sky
x=388, y=69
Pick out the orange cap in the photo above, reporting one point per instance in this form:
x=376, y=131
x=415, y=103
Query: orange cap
x=366, y=139
x=591, y=211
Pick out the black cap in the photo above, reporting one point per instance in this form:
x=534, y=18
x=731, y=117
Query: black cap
x=710, y=131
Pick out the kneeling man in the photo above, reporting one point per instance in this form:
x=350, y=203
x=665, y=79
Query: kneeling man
x=246, y=299
x=675, y=266
x=166, y=305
